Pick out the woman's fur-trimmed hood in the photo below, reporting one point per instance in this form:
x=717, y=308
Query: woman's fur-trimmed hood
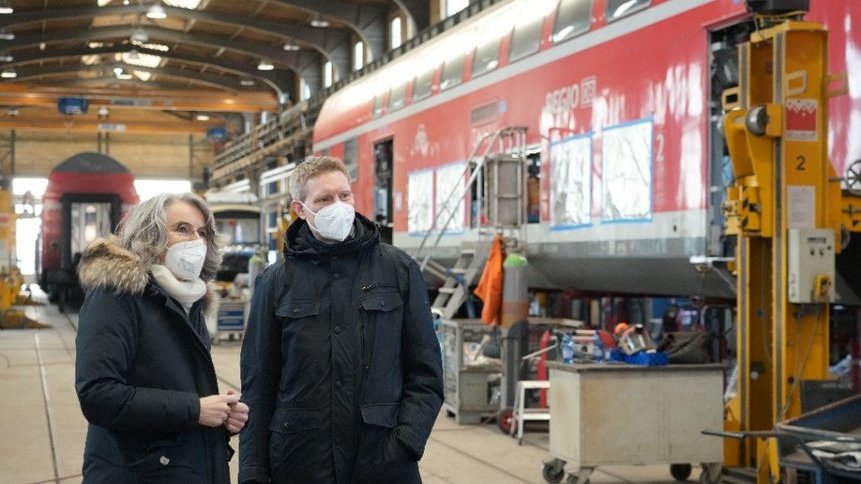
x=106, y=263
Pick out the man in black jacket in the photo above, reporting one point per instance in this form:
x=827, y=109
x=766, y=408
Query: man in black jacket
x=340, y=362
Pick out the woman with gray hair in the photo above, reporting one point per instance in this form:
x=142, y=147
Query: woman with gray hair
x=143, y=373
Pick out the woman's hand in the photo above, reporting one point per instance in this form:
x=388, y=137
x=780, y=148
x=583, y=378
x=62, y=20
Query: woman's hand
x=215, y=409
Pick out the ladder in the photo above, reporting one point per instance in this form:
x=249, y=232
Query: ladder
x=497, y=171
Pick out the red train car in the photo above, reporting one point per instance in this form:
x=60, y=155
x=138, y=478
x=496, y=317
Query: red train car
x=621, y=102
x=86, y=197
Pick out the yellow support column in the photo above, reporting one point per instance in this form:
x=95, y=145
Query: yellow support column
x=784, y=191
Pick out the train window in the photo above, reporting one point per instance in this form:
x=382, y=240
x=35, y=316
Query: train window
x=89, y=220
x=526, y=39
x=397, y=97
x=572, y=18
x=619, y=8
x=452, y=73
x=423, y=85
x=378, y=105
x=486, y=57
x=351, y=157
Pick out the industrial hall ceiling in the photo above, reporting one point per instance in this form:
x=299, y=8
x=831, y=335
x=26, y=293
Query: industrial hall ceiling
x=180, y=65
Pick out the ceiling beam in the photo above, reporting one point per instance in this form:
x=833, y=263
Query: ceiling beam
x=417, y=13
x=272, y=78
x=334, y=44
x=132, y=96
x=157, y=35
x=33, y=72
x=90, y=125
x=367, y=21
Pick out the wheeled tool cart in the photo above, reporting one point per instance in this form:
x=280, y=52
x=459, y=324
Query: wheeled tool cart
x=620, y=414
x=469, y=376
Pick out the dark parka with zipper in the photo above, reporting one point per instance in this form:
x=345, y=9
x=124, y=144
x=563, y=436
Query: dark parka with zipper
x=340, y=364
x=142, y=366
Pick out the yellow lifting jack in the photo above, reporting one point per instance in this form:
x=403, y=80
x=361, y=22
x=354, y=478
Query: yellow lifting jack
x=789, y=215
x=11, y=279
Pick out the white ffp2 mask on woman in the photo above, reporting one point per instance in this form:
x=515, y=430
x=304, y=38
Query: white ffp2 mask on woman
x=185, y=259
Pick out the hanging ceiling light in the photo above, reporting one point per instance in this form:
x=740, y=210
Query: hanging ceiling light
x=246, y=82
x=8, y=73
x=156, y=12
x=139, y=35
x=202, y=117
x=189, y=4
x=4, y=35
x=291, y=46
x=4, y=57
x=319, y=22
x=265, y=66
x=5, y=8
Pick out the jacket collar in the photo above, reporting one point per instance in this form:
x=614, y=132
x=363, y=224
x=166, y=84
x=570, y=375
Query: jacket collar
x=302, y=243
x=105, y=263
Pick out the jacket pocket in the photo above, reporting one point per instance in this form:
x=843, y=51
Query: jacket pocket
x=381, y=457
x=297, y=309
x=294, y=447
x=380, y=321
x=381, y=414
x=164, y=461
x=292, y=420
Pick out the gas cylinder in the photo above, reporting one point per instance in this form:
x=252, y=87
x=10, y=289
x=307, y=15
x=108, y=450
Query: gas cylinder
x=515, y=290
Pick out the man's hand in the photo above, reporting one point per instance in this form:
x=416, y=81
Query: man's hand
x=238, y=415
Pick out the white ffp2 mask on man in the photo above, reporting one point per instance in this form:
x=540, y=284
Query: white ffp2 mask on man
x=185, y=259
x=333, y=221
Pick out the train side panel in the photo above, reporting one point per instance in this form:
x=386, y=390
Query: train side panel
x=623, y=118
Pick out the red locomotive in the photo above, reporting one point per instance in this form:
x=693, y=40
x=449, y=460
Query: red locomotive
x=619, y=102
x=86, y=197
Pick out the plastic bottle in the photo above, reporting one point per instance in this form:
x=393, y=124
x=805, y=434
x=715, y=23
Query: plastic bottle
x=567, y=349
x=598, y=348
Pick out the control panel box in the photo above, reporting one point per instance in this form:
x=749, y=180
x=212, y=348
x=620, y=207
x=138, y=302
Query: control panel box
x=811, y=260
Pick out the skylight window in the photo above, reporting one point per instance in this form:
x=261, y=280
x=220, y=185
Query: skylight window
x=151, y=46
x=139, y=59
x=91, y=60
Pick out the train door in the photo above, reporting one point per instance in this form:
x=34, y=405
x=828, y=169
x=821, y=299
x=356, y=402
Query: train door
x=85, y=218
x=533, y=187
x=383, y=164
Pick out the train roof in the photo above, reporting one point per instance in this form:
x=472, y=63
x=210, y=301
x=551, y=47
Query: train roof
x=89, y=162
x=492, y=23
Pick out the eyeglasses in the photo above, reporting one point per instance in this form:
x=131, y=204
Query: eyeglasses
x=186, y=231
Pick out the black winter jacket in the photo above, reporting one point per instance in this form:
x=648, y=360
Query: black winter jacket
x=340, y=364
x=141, y=367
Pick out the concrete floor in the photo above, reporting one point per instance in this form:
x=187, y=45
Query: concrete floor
x=43, y=429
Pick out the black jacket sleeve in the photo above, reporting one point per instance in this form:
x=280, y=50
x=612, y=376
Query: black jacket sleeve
x=260, y=372
x=422, y=364
x=106, y=348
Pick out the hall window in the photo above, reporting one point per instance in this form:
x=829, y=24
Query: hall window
x=358, y=55
x=395, y=32
x=328, y=74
